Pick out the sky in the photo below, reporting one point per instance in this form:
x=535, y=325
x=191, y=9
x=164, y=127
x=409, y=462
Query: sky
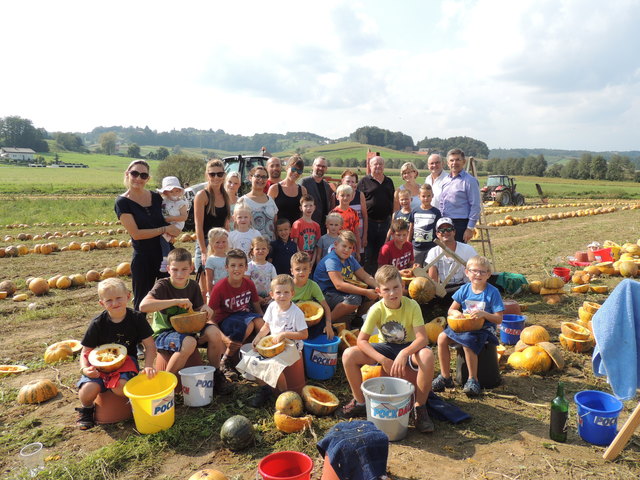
x=527, y=73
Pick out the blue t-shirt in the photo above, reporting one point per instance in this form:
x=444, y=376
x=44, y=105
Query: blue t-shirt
x=404, y=216
x=489, y=300
x=333, y=263
x=424, y=227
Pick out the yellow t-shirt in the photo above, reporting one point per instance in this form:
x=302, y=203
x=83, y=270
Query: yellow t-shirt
x=395, y=325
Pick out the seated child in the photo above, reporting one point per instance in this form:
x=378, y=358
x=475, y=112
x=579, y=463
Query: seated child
x=116, y=324
x=403, y=346
x=398, y=251
x=404, y=199
x=260, y=271
x=325, y=244
x=479, y=299
x=423, y=225
x=243, y=233
x=284, y=320
x=335, y=275
x=282, y=248
x=304, y=231
x=174, y=210
x=173, y=296
x=344, y=195
x=306, y=289
x=216, y=255
x=231, y=299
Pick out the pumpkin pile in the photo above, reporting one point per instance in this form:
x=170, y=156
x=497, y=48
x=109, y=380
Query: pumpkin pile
x=551, y=289
x=534, y=353
x=237, y=433
x=313, y=312
x=288, y=416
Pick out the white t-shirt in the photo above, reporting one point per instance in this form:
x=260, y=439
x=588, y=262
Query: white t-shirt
x=436, y=187
x=217, y=266
x=242, y=240
x=445, y=264
x=261, y=276
x=171, y=208
x=291, y=320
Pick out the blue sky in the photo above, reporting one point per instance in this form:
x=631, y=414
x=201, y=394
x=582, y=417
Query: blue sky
x=528, y=73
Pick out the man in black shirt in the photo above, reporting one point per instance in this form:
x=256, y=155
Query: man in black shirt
x=321, y=192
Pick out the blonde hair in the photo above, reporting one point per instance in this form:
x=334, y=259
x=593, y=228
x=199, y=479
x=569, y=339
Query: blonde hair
x=408, y=166
x=347, y=236
x=426, y=187
x=283, y=279
x=334, y=216
x=135, y=162
x=242, y=207
x=112, y=283
x=386, y=274
x=344, y=188
x=480, y=261
x=300, y=258
x=257, y=241
x=404, y=192
x=213, y=235
x=211, y=206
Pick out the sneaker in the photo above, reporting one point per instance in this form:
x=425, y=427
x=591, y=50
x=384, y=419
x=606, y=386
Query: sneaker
x=472, y=388
x=440, y=383
x=353, y=409
x=421, y=419
x=221, y=385
x=85, y=418
x=261, y=398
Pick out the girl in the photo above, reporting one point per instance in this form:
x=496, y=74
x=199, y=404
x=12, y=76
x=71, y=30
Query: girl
x=174, y=209
x=260, y=271
x=217, y=252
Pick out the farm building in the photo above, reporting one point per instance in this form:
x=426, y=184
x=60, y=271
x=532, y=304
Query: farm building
x=17, y=154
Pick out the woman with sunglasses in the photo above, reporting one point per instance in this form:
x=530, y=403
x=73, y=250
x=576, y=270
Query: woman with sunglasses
x=211, y=209
x=140, y=212
x=287, y=193
x=263, y=208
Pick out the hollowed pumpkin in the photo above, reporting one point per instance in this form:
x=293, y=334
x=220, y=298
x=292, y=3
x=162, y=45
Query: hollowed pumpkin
x=422, y=289
x=75, y=345
x=57, y=352
x=574, y=331
x=584, y=316
x=208, y=474
x=592, y=270
x=576, y=346
x=108, y=357
x=288, y=424
x=313, y=312
x=534, y=334
x=9, y=369
x=591, y=307
x=267, y=348
x=580, y=288
x=465, y=323
x=21, y=297
x=520, y=346
x=191, y=322
x=37, y=391
x=599, y=288
x=347, y=339
x=434, y=328
x=553, y=352
x=370, y=371
x=319, y=401
x=290, y=403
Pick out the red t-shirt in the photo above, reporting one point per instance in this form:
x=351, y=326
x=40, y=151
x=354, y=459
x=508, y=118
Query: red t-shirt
x=399, y=258
x=350, y=219
x=225, y=299
x=306, y=235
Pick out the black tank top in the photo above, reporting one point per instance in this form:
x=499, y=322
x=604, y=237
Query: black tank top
x=288, y=207
x=209, y=221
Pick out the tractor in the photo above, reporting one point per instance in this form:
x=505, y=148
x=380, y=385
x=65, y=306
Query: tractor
x=501, y=189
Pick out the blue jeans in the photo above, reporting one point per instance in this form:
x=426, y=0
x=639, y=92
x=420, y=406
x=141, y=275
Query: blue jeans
x=376, y=238
x=460, y=225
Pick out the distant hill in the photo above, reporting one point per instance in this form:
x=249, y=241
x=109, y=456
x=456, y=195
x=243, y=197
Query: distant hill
x=553, y=156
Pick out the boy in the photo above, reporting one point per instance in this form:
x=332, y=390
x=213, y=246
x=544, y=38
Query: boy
x=282, y=248
x=305, y=232
x=306, y=289
x=338, y=275
x=243, y=233
x=325, y=245
x=284, y=320
x=173, y=296
x=397, y=251
x=230, y=300
x=344, y=195
x=116, y=324
x=481, y=300
x=403, y=346
x=423, y=225
x=404, y=199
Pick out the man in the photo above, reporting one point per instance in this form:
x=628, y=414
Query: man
x=434, y=163
x=274, y=169
x=378, y=191
x=460, y=196
x=321, y=192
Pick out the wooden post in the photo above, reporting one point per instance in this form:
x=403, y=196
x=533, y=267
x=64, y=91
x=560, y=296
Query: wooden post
x=623, y=435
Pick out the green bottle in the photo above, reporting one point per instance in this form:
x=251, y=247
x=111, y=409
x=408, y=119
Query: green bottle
x=559, y=415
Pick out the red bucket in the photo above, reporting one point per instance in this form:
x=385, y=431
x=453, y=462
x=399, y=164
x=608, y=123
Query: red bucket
x=286, y=466
x=563, y=273
x=602, y=255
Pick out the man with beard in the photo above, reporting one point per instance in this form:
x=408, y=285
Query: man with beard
x=274, y=169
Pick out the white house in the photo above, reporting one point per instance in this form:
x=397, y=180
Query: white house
x=18, y=154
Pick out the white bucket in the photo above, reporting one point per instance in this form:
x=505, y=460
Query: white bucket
x=389, y=404
x=197, y=385
x=244, y=349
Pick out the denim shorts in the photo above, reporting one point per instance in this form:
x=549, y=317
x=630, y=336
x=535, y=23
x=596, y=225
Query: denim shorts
x=391, y=350
x=235, y=325
x=334, y=297
x=170, y=340
x=124, y=376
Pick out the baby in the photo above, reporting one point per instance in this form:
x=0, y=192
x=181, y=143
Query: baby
x=174, y=209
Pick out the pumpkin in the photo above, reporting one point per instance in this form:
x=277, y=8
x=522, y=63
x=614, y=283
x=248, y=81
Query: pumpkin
x=237, y=433
x=20, y=297
x=422, y=289
x=370, y=371
x=74, y=345
x=108, y=357
x=628, y=269
x=52, y=281
x=74, y=246
x=290, y=403
x=536, y=360
x=579, y=278
x=123, y=269
x=288, y=424
x=101, y=245
x=434, y=328
x=347, y=339
x=57, y=352
x=465, y=323
x=574, y=331
x=9, y=287
x=599, y=288
x=584, y=316
x=553, y=352
x=534, y=334
x=9, y=369
x=550, y=291
x=553, y=282
x=606, y=268
x=318, y=401
x=500, y=351
x=576, y=346
x=267, y=348
x=580, y=288
x=37, y=391
x=63, y=282
x=591, y=307
x=45, y=249
x=92, y=276
x=11, y=251
x=108, y=273
x=3, y=295
x=191, y=322
x=123, y=244
x=520, y=346
x=515, y=360
x=39, y=286
x=552, y=299
x=313, y=312
x=592, y=270
x=208, y=474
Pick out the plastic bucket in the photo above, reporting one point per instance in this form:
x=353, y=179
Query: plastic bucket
x=152, y=401
x=389, y=404
x=597, y=416
x=321, y=357
x=244, y=349
x=510, y=328
x=602, y=255
x=563, y=273
x=285, y=466
x=197, y=385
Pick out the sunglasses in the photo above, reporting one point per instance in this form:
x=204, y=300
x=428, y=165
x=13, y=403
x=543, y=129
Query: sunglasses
x=297, y=170
x=216, y=174
x=260, y=177
x=446, y=230
x=136, y=174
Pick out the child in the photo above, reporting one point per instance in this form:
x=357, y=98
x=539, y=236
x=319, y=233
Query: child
x=397, y=251
x=173, y=296
x=282, y=248
x=335, y=275
x=404, y=199
x=260, y=271
x=305, y=232
x=230, y=300
x=216, y=253
x=306, y=289
x=344, y=194
x=479, y=299
x=174, y=210
x=243, y=234
x=403, y=347
x=423, y=225
x=116, y=324
x=284, y=320
x=325, y=244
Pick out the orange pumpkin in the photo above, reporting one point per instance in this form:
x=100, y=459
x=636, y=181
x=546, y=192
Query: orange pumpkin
x=347, y=339
x=370, y=371
x=37, y=391
x=268, y=348
x=536, y=360
x=288, y=424
x=39, y=286
x=191, y=322
x=422, y=289
x=57, y=352
x=108, y=357
x=434, y=328
x=319, y=401
x=534, y=334
x=290, y=403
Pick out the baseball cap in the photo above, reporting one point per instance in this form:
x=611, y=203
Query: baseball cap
x=444, y=221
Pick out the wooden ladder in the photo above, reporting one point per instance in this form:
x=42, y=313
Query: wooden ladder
x=484, y=238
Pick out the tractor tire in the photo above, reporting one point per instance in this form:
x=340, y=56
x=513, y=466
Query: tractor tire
x=518, y=199
x=504, y=198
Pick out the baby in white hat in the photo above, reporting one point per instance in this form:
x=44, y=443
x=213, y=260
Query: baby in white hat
x=174, y=209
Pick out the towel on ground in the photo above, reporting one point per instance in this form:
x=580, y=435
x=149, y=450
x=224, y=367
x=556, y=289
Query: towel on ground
x=616, y=328
x=442, y=410
x=268, y=369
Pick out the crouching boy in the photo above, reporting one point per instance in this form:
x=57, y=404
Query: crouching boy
x=403, y=346
x=116, y=324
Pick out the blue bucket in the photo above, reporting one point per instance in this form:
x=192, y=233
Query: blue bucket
x=597, y=416
x=321, y=357
x=510, y=328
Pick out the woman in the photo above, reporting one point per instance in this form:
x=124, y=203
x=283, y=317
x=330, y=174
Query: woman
x=211, y=208
x=287, y=193
x=358, y=203
x=409, y=173
x=140, y=212
x=232, y=185
x=262, y=206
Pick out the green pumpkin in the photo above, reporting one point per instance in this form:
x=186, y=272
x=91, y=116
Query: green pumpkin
x=237, y=433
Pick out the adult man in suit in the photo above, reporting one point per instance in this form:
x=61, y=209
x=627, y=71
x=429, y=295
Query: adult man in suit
x=321, y=192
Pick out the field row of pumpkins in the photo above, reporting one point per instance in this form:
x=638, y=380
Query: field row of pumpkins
x=65, y=224
x=510, y=220
x=622, y=204
x=48, y=235
x=48, y=248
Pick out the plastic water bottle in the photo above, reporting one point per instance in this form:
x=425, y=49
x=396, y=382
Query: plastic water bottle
x=559, y=415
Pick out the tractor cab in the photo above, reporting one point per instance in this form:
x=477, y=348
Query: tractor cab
x=501, y=189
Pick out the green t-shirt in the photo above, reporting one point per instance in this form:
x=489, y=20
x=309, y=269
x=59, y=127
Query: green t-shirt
x=165, y=290
x=395, y=325
x=310, y=291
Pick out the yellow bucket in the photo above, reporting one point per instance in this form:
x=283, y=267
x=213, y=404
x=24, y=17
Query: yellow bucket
x=152, y=401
